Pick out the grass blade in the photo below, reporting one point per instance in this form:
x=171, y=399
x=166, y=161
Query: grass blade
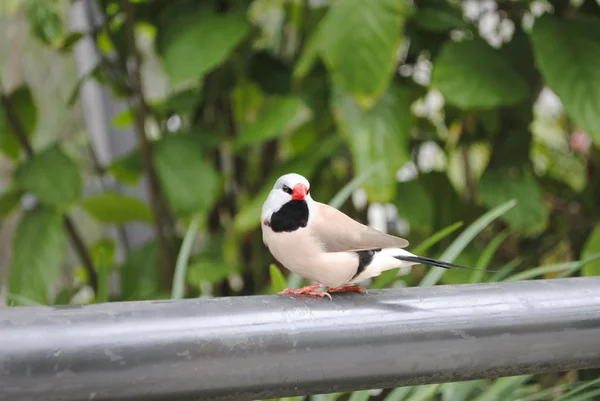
x=359, y=396
x=424, y=392
x=571, y=267
x=578, y=389
x=399, y=394
x=390, y=275
x=10, y=297
x=460, y=243
x=505, y=270
x=346, y=191
x=486, y=257
x=437, y=237
x=503, y=388
x=294, y=280
x=586, y=396
x=542, y=394
x=277, y=279
x=178, y=290
x=460, y=391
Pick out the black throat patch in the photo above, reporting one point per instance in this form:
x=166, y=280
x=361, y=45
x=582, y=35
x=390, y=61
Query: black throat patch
x=292, y=216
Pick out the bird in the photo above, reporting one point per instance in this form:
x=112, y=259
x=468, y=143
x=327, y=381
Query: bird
x=326, y=246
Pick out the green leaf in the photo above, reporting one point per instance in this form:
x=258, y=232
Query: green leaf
x=25, y=110
x=38, y=251
x=272, y=75
x=140, y=273
x=567, y=53
x=278, y=282
x=128, y=168
x=210, y=270
x=114, y=208
x=461, y=242
x=472, y=75
x=122, y=119
x=192, y=45
x=591, y=247
x=9, y=199
x=247, y=101
x=380, y=134
x=359, y=41
x=414, y=203
x=442, y=19
x=248, y=218
x=188, y=182
x=45, y=20
x=67, y=42
x=52, y=176
x=439, y=186
x=530, y=215
x=280, y=116
x=309, y=55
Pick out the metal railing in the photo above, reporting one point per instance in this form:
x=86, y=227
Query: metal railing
x=245, y=348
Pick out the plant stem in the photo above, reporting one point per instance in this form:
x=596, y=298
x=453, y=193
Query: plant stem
x=82, y=251
x=15, y=123
x=75, y=238
x=469, y=185
x=138, y=104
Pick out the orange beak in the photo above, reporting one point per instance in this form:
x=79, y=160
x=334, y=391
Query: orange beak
x=299, y=192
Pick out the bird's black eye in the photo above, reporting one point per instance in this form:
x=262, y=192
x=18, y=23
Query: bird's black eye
x=287, y=189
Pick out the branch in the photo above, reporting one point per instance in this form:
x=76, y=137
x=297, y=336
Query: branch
x=74, y=236
x=138, y=103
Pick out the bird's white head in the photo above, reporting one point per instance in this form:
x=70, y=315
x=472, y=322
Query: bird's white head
x=288, y=187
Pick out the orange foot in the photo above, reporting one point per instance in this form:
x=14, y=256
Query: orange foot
x=308, y=290
x=348, y=288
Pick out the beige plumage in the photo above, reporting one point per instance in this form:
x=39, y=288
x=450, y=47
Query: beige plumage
x=322, y=244
x=338, y=232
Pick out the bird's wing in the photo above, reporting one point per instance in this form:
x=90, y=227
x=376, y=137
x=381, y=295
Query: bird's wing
x=338, y=232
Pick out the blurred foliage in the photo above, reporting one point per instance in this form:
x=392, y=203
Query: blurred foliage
x=441, y=111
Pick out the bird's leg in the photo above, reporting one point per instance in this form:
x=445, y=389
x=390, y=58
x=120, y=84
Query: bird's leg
x=308, y=290
x=348, y=288
x=302, y=290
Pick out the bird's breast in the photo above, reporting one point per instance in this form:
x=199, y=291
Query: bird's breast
x=300, y=253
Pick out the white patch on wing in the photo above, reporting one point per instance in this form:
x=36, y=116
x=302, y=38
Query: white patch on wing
x=382, y=261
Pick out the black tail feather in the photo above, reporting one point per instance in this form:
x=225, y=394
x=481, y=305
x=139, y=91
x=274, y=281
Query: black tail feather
x=438, y=263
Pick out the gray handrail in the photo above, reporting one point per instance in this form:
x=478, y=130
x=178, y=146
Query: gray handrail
x=245, y=348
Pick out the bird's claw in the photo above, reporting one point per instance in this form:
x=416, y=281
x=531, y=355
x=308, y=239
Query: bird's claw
x=308, y=290
x=348, y=288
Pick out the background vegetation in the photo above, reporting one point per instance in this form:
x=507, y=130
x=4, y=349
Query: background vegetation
x=421, y=118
